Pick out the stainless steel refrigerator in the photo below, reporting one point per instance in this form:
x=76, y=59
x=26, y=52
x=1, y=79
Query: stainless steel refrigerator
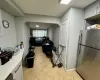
x=88, y=57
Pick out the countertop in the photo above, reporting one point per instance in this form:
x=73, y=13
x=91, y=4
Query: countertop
x=7, y=68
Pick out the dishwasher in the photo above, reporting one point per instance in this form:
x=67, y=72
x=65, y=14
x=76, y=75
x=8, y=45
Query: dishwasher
x=10, y=77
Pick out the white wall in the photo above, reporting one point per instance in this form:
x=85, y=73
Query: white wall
x=41, y=25
x=50, y=33
x=11, y=7
x=26, y=39
x=9, y=37
x=19, y=23
x=56, y=33
x=1, y=27
x=42, y=19
x=39, y=19
x=53, y=34
x=23, y=33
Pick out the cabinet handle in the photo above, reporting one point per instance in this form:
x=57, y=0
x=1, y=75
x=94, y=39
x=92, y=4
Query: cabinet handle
x=17, y=69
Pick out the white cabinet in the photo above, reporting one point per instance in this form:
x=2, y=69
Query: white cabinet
x=63, y=34
x=18, y=72
x=64, y=39
x=92, y=10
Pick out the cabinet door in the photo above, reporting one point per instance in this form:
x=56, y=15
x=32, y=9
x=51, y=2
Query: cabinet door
x=18, y=74
x=92, y=10
x=64, y=39
x=63, y=33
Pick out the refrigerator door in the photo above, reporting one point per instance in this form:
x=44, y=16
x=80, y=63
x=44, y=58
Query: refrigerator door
x=91, y=38
x=88, y=63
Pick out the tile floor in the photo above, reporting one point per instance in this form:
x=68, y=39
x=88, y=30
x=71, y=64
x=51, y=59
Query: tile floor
x=43, y=70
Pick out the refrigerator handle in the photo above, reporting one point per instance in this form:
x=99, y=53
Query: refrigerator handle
x=79, y=43
x=80, y=38
x=79, y=49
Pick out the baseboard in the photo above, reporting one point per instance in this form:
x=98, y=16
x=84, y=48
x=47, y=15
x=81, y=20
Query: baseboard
x=71, y=69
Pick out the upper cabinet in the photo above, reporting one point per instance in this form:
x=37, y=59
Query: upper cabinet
x=92, y=10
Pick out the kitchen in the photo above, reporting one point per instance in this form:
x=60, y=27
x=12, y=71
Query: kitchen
x=73, y=24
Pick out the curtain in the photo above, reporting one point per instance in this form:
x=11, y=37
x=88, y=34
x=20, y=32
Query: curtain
x=39, y=33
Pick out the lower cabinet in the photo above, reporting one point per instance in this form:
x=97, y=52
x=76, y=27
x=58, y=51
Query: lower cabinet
x=18, y=72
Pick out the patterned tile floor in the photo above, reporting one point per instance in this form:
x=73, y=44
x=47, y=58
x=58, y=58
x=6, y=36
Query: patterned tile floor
x=43, y=70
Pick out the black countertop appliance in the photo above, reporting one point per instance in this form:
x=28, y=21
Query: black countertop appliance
x=5, y=56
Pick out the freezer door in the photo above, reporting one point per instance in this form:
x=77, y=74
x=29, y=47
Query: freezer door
x=91, y=38
x=88, y=63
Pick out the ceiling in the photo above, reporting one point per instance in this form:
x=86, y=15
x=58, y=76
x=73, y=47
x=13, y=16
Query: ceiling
x=49, y=7
x=42, y=25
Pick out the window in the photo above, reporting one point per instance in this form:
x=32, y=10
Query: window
x=39, y=33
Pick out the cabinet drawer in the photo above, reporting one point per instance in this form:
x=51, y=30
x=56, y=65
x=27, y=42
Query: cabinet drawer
x=19, y=64
x=17, y=72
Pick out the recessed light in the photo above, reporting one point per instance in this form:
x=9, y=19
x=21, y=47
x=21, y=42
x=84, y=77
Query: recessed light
x=65, y=1
x=37, y=26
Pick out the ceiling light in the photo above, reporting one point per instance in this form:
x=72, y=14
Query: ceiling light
x=37, y=26
x=65, y=1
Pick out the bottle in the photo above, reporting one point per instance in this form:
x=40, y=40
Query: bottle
x=21, y=45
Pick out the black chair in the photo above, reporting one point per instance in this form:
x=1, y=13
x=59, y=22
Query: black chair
x=47, y=47
x=32, y=41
